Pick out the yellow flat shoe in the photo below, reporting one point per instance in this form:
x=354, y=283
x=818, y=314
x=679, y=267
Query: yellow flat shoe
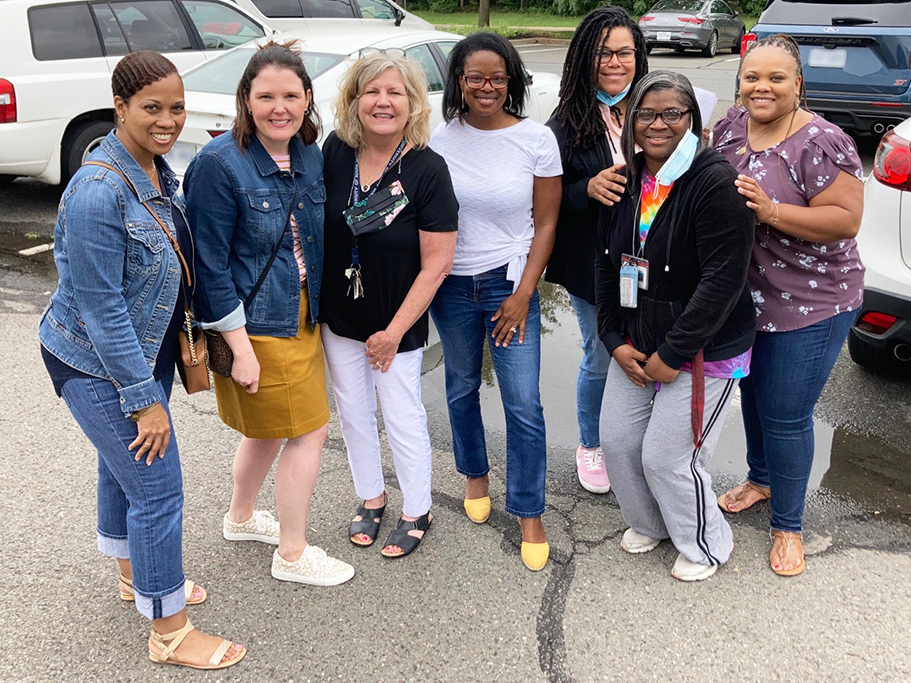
x=535, y=555
x=478, y=509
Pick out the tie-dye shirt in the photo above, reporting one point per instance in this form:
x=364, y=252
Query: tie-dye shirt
x=653, y=196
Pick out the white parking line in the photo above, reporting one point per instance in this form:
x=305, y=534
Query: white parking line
x=733, y=59
x=31, y=251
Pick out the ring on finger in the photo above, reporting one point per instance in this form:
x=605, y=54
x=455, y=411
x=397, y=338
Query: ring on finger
x=513, y=329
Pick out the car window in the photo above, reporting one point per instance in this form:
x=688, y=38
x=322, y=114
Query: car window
x=718, y=8
x=834, y=12
x=678, y=6
x=222, y=74
x=153, y=25
x=221, y=27
x=63, y=32
x=280, y=9
x=115, y=43
x=725, y=9
x=446, y=48
x=375, y=9
x=423, y=56
x=339, y=9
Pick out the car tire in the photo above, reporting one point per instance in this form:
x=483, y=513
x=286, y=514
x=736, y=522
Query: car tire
x=711, y=47
x=80, y=143
x=870, y=357
x=735, y=48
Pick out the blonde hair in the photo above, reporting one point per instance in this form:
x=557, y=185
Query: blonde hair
x=347, y=124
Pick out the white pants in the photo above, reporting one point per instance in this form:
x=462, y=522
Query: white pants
x=355, y=384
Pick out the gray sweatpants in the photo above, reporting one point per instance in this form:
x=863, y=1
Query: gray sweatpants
x=657, y=474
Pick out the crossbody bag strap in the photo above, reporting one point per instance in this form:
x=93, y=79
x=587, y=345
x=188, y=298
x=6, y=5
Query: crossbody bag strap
x=281, y=238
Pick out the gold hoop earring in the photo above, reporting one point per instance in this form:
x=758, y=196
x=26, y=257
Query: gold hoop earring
x=508, y=101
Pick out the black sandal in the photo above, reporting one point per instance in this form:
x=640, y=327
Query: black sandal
x=369, y=524
x=401, y=538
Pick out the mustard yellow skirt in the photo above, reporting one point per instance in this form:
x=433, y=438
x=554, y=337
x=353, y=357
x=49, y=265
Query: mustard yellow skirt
x=292, y=398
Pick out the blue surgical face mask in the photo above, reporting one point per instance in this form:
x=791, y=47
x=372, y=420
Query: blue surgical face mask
x=611, y=100
x=679, y=161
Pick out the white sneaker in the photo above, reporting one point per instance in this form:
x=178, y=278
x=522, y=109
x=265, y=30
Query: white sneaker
x=260, y=527
x=633, y=542
x=684, y=570
x=314, y=567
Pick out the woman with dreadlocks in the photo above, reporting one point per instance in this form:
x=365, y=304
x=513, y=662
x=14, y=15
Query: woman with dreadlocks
x=605, y=60
x=802, y=177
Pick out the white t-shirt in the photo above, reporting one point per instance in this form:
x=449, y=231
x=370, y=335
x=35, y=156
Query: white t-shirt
x=493, y=174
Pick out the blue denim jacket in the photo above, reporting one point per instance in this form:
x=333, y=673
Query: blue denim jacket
x=119, y=275
x=237, y=201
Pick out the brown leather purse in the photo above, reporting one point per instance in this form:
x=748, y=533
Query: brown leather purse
x=193, y=364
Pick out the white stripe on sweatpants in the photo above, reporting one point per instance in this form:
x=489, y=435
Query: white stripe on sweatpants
x=658, y=475
x=355, y=385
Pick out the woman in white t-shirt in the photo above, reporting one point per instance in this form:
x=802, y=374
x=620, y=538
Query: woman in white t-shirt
x=506, y=174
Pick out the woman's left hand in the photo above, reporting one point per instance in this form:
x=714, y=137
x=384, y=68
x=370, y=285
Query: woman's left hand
x=381, y=349
x=757, y=199
x=510, y=319
x=660, y=371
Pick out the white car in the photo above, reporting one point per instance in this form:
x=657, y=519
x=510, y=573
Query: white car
x=211, y=87
x=56, y=59
x=293, y=15
x=881, y=336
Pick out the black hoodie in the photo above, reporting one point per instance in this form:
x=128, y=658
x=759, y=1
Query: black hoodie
x=698, y=249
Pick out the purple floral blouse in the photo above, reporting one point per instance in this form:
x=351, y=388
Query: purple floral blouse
x=796, y=283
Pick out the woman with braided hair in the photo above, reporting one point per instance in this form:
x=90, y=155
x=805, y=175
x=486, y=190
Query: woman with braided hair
x=605, y=60
x=802, y=177
x=108, y=339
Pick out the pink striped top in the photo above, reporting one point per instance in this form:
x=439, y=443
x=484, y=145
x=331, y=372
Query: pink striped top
x=284, y=164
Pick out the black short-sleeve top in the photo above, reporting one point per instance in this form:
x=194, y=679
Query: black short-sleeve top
x=390, y=259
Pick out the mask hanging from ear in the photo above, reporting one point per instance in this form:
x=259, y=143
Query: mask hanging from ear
x=679, y=161
x=611, y=100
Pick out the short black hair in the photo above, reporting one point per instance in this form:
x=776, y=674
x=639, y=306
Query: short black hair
x=517, y=90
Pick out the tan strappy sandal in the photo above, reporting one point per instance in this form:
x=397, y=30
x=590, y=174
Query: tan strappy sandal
x=169, y=642
x=761, y=491
x=126, y=591
x=788, y=538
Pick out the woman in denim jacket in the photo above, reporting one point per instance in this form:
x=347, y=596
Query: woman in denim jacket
x=247, y=192
x=108, y=340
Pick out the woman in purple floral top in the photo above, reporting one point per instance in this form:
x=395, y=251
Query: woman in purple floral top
x=802, y=177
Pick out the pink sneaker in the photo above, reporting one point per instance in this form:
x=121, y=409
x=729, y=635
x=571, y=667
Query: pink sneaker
x=590, y=467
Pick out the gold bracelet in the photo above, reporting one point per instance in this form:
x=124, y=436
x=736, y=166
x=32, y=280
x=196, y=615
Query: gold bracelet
x=775, y=219
x=136, y=414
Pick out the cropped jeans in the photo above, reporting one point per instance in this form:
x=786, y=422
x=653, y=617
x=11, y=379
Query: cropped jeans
x=140, y=507
x=592, y=374
x=461, y=312
x=787, y=374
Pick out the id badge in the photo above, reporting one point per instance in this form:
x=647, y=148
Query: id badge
x=629, y=282
x=642, y=266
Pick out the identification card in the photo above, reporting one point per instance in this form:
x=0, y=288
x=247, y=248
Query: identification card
x=641, y=266
x=629, y=285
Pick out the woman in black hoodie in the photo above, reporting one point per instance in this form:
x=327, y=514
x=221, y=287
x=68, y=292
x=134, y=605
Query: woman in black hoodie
x=674, y=312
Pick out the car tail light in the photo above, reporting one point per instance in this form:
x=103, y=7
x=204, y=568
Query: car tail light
x=647, y=18
x=745, y=43
x=7, y=102
x=692, y=20
x=892, y=163
x=876, y=323
x=216, y=133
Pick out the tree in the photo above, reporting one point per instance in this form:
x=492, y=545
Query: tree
x=484, y=13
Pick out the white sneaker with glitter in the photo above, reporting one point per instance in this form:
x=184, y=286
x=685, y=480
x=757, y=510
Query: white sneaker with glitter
x=262, y=527
x=314, y=567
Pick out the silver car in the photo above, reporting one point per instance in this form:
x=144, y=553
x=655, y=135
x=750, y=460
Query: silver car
x=706, y=25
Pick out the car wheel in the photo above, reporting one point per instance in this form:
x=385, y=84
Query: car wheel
x=82, y=141
x=871, y=357
x=735, y=48
x=712, y=47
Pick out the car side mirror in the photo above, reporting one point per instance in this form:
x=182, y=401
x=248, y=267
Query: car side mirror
x=399, y=15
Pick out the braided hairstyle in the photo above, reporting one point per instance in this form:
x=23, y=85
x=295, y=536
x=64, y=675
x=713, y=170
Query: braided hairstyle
x=784, y=42
x=578, y=110
x=137, y=70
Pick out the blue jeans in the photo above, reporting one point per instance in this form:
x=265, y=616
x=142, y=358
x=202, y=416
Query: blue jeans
x=140, y=507
x=787, y=373
x=461, y=312
x=592, y=374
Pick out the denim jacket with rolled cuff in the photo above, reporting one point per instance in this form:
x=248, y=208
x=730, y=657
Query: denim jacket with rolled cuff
x=237, y=201
x=118, y=275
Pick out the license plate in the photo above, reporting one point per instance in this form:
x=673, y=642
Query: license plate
x=829, y=59
x=664, y=35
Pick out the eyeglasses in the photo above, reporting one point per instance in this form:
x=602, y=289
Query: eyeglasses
x=626, y=56
x=669, y=116
x=393, y=52
x=477, y=82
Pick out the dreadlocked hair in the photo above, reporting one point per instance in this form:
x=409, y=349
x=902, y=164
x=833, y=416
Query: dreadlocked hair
x=578, y=110
x=784, y=42
x=137, y=70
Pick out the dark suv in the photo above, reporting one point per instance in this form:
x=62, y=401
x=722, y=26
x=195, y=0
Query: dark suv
x=856, y=58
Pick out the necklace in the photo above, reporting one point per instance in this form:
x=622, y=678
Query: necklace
x=749, y=143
